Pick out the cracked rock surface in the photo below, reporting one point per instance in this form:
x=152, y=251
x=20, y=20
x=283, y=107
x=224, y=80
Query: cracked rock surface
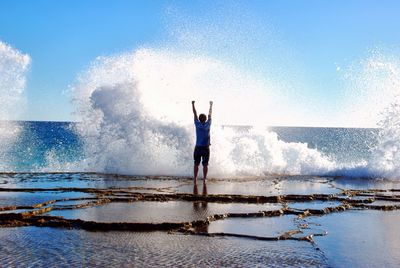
x=262, y=217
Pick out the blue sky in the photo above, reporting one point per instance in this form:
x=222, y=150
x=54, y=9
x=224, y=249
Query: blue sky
x=306, y=40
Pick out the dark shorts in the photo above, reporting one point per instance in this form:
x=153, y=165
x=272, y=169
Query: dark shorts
x=201, y=153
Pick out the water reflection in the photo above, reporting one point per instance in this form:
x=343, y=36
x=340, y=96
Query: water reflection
x=200, y=207
x=196, y=190
x=204, y=188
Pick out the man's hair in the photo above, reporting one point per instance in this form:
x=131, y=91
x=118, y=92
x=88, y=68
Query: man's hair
x=202, y=118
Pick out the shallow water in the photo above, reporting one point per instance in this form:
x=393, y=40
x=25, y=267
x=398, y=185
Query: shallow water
x=270, y=185
x=360, y=238
x=263, y=227
x=32, y=198
x=167, y=221
x=314, y=205
x=156, y=212
x=41, y=247
x=363, y=183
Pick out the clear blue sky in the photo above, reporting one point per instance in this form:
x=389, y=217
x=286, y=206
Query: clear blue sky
x=63, y=37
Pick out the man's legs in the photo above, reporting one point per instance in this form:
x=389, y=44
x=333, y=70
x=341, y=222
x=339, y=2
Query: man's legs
x=195, y=172
x=197, y=159
x=205, y=170
x=195, y=189
x=204, y=187
x=206, y=157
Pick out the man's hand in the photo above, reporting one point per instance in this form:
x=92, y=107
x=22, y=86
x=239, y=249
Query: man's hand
x=194, y=112
x=210, y=111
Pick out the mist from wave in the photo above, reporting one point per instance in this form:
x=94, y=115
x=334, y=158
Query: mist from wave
x=13, y=68
x=136, y=120
x=382, y=75
x=135, y=111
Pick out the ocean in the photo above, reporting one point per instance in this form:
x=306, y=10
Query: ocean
x=58, y=147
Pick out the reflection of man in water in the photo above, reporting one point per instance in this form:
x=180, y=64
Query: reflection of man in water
x=196, y=190
x=200, y=207
x=202, y=149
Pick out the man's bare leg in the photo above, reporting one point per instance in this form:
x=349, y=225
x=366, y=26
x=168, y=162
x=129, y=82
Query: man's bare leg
x=195, y=172
x=204, y=187
x=205, y=170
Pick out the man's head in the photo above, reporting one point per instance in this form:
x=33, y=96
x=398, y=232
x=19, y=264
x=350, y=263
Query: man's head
x=202, y=118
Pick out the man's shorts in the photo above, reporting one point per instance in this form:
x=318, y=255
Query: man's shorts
x=201, y=153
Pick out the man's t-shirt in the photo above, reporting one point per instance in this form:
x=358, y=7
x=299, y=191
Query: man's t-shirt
x=202, y=133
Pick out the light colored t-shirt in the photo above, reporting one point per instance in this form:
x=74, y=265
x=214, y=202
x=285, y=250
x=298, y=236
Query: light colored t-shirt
x=202, y=133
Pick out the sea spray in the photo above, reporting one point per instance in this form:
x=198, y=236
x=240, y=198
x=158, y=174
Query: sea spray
x=13, y=68
x=384, y=76
x=375, y=88
x=136, y=119
x=371, y=86
x=386, y=157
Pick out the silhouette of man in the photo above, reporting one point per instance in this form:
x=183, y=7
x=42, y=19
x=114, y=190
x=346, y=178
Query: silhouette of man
x=202, y=148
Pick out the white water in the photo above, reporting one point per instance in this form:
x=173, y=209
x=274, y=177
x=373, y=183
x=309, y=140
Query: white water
x=375, y=96
x=383, y=78
x=13, y=68
x=136, y=113
x=137, y=118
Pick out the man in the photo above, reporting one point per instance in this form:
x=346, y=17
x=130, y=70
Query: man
x=202, y=149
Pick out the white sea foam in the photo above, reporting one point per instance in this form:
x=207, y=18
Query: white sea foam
x=13, y=68
x=136, y=118
x=384, y=75
x=376, y=84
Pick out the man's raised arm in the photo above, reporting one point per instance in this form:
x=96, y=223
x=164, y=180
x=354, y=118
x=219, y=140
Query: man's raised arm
x=210, y=111
x=194, y=112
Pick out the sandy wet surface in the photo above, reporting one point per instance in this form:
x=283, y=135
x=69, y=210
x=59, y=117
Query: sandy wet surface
x=152, y=221
x=44, y=247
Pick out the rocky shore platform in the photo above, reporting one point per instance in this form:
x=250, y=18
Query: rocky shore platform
x=88, y=219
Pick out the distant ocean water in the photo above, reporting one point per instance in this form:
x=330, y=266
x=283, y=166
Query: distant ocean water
x=56, y=146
